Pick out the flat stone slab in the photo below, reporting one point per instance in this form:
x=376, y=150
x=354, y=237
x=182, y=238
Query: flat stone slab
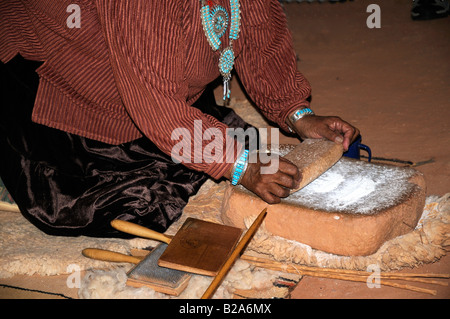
x=351, y=209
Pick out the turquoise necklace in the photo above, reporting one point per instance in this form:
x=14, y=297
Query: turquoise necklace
x=215, y=23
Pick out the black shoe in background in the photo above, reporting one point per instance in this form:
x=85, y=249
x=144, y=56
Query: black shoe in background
x=429, y=9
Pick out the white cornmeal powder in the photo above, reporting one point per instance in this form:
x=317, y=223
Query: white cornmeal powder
x=353, y=190
x=327, y=183
x=355, y=187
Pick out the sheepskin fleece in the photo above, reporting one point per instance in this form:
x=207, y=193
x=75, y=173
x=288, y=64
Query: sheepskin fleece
x=111, y=284
x=27, y=251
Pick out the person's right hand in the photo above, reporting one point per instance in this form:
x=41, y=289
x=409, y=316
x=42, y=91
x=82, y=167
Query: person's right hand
x=271, y=187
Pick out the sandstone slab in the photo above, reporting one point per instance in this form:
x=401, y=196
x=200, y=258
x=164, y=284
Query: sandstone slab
x=351, y=209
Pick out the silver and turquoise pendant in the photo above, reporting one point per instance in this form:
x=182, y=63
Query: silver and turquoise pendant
x=226, y=63
x=219, y=18
x=215, y=23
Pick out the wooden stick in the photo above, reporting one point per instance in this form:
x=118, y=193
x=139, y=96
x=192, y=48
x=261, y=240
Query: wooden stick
x=415, y=279
x=234, y=255
x=106, y=255
x=341, y=271
x=352, y=278
x=4, y=206
x=358, y=276
x=361, y=279
x=303, y=271
x=138, y=230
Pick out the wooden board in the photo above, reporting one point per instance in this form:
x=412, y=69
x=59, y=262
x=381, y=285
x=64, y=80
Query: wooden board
x=200, y=247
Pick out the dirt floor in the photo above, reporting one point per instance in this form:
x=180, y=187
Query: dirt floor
x=391, y=82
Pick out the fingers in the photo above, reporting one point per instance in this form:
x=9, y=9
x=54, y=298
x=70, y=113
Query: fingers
x=344, y=132
x=350, y=133
x=279, y=185
x=272, y=187
x=332, y=128
x=288, y=175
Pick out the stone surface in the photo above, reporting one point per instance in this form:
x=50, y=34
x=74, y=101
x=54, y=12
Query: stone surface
x=350, y=210
x=313, y=157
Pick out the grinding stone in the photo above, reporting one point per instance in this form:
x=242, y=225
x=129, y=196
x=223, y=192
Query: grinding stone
x=313, y=157
x=351, y=209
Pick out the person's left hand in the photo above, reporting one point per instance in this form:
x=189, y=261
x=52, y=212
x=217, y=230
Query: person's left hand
x=332, y=128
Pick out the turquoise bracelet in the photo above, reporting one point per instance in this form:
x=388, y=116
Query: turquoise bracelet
x=240, y=166
x=297, y=115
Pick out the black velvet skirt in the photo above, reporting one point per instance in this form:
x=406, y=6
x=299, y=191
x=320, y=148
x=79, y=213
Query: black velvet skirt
x=69, y=185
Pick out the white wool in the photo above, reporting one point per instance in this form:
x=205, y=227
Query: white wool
x=262, y=280
x=106, y=284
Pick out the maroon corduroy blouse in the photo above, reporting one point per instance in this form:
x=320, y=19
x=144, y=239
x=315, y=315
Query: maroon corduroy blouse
x=134, y=68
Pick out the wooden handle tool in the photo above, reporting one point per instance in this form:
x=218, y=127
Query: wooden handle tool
x=138, y=230
x=234, y=255
x=107, y=255
x=146, y=272
x=9, y=207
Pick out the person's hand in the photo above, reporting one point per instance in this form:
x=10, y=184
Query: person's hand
x=332, y=128
x=271, y=187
